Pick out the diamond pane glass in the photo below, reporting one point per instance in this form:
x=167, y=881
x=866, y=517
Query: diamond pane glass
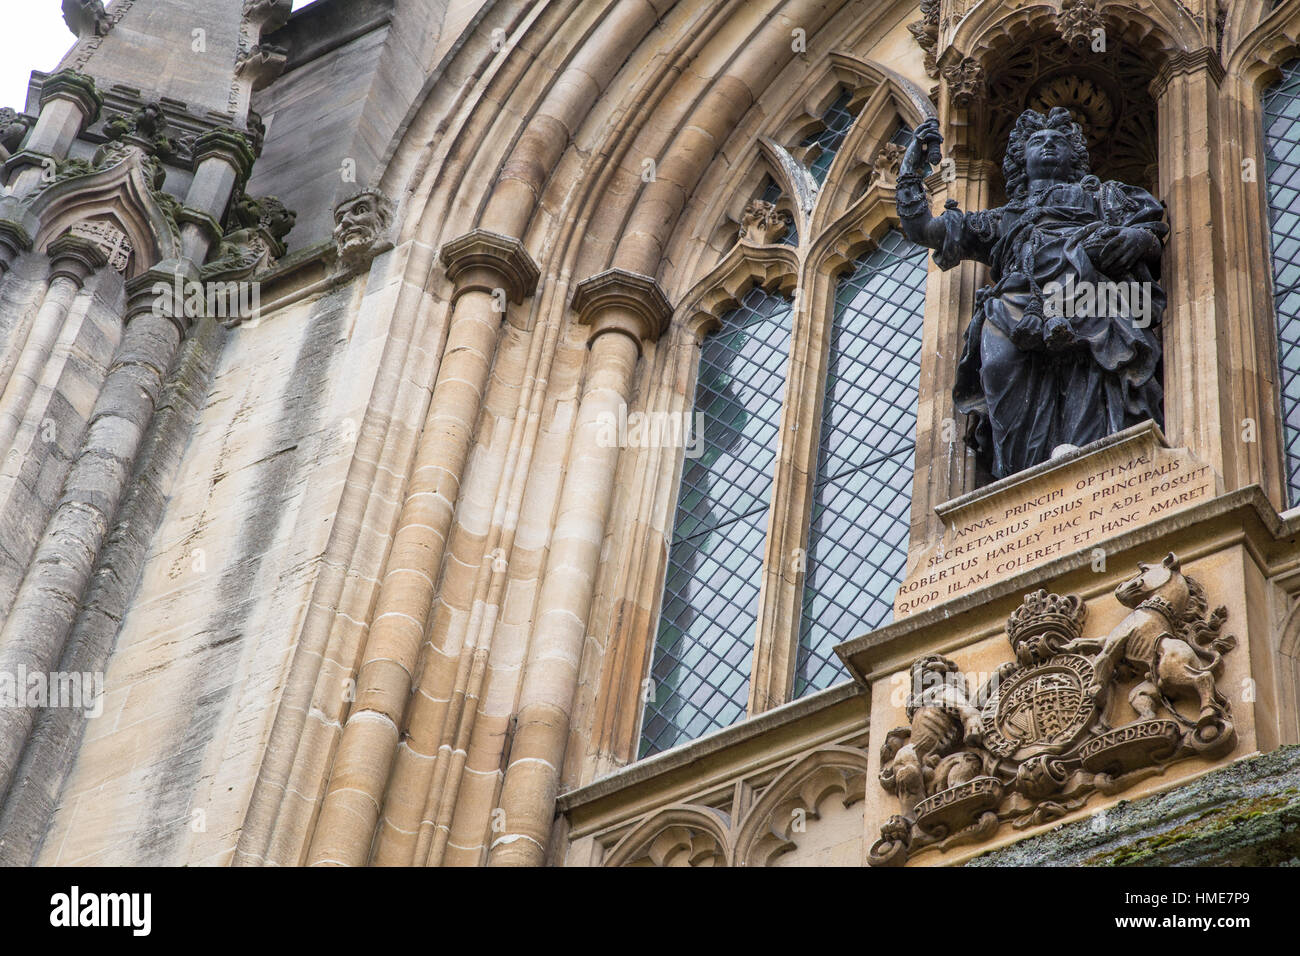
x=835, y=126
x=857, y=544
x=700, y=672
x=1282, y=146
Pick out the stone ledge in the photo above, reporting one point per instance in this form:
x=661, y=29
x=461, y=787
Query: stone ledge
x=1244, y=814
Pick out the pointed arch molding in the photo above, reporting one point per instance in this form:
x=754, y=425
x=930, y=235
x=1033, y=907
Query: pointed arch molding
x=702, y=833
x=795, y=797
x=771, y=827
x=990, y=26
x=120, y=192
x=856, y=232
x=1258, y=46
x=774, y=268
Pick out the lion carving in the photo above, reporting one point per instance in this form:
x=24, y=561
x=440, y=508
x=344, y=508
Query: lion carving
x=1168, y=645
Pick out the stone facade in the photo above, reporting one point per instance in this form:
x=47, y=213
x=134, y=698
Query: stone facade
x=311, y=326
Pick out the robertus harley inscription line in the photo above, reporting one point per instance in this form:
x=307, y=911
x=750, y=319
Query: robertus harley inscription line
x=1113, y=486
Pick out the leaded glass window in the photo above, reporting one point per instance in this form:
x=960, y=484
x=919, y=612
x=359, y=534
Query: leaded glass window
x=705, y=642
x=826, y=142
x=1282, y=143
x=857, y=545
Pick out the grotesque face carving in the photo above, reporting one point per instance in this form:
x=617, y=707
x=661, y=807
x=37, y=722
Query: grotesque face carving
x=359, y=225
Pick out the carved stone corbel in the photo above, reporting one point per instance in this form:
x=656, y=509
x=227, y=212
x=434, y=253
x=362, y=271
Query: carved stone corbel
x=1078, y=21
x=926, y=33
x=620, y=301
x=965, y=79
x=762, y=223
x=362, y=226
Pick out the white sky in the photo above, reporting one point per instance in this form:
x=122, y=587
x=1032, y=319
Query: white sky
x=34, y=37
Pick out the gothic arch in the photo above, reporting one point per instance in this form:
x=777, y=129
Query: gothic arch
x=1256, y=49
x=774, y=268
x=121, y=193
x=996, y=24
x=675, y=835
x=770, y=827
x=1288, y=665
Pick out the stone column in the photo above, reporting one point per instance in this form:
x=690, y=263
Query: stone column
x=69, y=103
x=624, y=310
x=72, y=260
x=944, y=465
x=48, y=600
x=1201, y=410
x=487, y=269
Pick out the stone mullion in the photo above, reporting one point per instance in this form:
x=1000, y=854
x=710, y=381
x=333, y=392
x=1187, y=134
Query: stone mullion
x=944, y=466
x=785, y=556
x=1250, y=288
x=1198, y=383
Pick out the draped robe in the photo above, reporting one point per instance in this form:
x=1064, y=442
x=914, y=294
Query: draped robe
x=1025, y=403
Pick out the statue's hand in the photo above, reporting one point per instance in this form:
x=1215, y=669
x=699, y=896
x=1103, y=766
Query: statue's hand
x=923, y=151
x=1115, y=250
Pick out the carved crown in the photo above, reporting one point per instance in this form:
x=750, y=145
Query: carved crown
x=1051, y=615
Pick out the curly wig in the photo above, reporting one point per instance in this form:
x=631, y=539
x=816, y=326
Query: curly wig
x=1030, y=122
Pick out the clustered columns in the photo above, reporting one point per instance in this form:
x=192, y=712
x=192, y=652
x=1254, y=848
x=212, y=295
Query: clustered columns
x=487, y=269
x=69, y=103
x=50, y=597
x=72, y=260
x=624, y=310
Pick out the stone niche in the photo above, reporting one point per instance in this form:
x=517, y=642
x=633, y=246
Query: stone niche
x=1127, y=648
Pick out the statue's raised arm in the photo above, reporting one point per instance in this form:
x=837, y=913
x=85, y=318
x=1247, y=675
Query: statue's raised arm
x=921, y=155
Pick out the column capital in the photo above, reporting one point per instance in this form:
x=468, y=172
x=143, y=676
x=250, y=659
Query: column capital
x=229, y=145
x=14, y=241
x=622, y=301
x=1182, y=63
x=75, y=258
x=162, y=291
x=503, y=255
x=77, y=88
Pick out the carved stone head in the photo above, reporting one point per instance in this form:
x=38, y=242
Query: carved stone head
x=1164, y=580
x=361, y=224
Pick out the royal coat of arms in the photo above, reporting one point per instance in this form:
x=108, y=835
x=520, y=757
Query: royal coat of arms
x=1032, y=743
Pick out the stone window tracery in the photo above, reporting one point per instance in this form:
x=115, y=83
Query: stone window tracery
x=719, y=628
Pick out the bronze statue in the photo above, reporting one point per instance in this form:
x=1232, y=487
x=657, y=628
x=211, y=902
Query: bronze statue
x=1064, y=346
